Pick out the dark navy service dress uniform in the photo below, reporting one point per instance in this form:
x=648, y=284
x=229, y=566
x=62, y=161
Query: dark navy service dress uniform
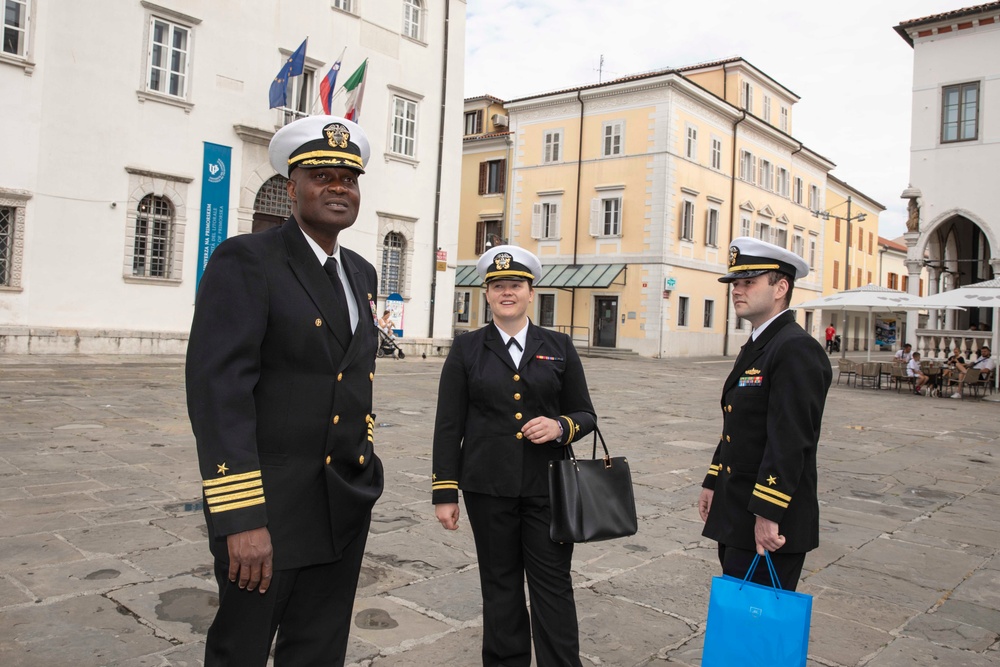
x=483, y=402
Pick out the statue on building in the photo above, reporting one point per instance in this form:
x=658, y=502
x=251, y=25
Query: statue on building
x=912, y=208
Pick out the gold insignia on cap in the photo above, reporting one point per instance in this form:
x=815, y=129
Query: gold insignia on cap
x=337, y=135
x=502, y=261
x=734, y=254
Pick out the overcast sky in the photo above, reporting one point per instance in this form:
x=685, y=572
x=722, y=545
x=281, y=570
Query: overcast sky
x=852, y=71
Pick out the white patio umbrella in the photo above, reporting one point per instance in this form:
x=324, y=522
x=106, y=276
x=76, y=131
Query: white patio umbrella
x=985, y=294
x=870, y=298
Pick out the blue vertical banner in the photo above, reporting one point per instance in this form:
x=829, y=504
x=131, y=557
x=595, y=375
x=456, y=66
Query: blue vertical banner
x=214, y=203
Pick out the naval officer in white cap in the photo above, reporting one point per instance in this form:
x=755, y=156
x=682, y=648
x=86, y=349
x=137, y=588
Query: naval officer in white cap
x=280, y=367
x=760, y=491
x=512, y=395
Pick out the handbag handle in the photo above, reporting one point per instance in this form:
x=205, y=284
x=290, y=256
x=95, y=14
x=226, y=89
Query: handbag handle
x=571, y=455
x=775, y=583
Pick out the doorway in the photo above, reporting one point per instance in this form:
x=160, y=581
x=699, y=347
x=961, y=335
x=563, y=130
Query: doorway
x=605, y=321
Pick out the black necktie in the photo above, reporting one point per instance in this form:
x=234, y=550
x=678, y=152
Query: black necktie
x=342, y=320
x=513, y=341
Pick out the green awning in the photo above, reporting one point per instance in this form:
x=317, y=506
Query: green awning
x=562, y=276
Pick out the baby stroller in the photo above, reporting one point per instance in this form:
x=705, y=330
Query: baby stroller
x=387, y=347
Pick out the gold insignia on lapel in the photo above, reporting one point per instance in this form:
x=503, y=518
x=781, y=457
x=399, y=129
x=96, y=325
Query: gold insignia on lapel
x=752, y=371
x=502, y=261
x=222, y=469
x=734, y=254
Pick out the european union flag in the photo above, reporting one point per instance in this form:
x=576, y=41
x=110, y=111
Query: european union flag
x=292, y=67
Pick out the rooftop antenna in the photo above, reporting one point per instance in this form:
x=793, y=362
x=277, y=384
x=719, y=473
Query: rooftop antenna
x=600, y=69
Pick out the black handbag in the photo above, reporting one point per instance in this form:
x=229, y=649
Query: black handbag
x=591, y=500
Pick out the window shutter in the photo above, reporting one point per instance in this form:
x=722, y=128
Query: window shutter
x=502, y=176
x=595, y=217
x=753, y=162
x=554, y=216
x=536, y=221
x=480, y=237
x=621, y=216
x=484, y=173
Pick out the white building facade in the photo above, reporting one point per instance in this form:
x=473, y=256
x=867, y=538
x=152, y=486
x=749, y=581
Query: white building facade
x=102, y=206
x=954, y=225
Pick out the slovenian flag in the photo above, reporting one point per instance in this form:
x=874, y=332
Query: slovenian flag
x=355, y=88
x=292, y=67
x=329, y=84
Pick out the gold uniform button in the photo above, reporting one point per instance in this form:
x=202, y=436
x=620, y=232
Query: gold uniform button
x=517, y=397
x=328, y=460
x=336, y=419
x=519, y=435
x=728, y=469
x=517, y=415
x=361, y=459
x=517, y=378
x=319, y=322
x=729, y=408
x=728, y=439
x=371, y=376
x=340, y=376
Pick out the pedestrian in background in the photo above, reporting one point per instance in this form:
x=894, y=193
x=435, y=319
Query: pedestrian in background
x=512, y=396
x=280, y=367
x=760, y=493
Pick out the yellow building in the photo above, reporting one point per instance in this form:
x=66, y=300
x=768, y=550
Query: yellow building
x=630, y=192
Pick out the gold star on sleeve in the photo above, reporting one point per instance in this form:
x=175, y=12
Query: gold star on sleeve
x=222, y=468
x=772, y=480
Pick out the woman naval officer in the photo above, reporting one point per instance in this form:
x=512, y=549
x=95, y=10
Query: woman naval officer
x=511, y=396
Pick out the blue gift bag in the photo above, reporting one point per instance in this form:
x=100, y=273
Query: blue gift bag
x=756, y=626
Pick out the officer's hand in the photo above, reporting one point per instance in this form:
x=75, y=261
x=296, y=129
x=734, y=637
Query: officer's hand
x=541, y=429
x=765, y=533
x=447, y=514
x=705, y=502
x=250, y=559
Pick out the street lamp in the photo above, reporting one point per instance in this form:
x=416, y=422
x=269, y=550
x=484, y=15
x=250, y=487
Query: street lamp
x=847, y=261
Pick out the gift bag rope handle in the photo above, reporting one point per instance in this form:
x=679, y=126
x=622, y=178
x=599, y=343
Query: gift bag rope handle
x=597, y=434
x=775, y=584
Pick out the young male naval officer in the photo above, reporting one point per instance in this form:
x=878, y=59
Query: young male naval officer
x=760, y=491
x=280, y=368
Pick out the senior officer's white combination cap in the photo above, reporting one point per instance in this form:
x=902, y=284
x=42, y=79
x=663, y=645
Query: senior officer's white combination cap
x=750, y=257
x=319, y=141
x=508, y=262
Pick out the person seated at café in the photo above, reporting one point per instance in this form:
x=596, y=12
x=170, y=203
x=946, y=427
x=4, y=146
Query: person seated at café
x=904, y=354
x=953, y=364
x=913, y=371
x=985, y=364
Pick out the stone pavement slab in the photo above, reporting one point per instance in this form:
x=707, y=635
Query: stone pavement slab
x=103, y=559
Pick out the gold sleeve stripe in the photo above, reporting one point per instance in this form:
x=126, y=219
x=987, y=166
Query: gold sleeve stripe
x=222, y=500
x=769, y=499
x=773, y=492
x=256, y=484
x=235, y=506
x=715, y=466
x=229, y=479
x=713, y=471
x=573, y=429
x=444, y=487
x=444, y=482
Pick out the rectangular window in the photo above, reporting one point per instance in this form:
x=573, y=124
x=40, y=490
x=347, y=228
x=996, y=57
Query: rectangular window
x=782, y=182
x=299, y=97
x=904, y=283
x=462, y=305
x=411, y=19
x=869, y=277
x=784, y=119
x=404, y=126
x=869, y=243
x=836, y=230
x=687, y=220
x=746, y=97
x=7, y=217
x=812, y=253
x=709, y=314
x=612, y=144
x=682, y=311
x=744, y=225
x=346, y=5
x=716, y=154
x=153, y=245
x=858, y=283
x=473, y=122
x=611, y=217
x=767, y=108
x=762, y=231
x=836, y=274
x=799, y=246
x=861, y=240
x=168, y=57
x=779, y=236
x=492, y=177
x=959, y=112
x=15, y=27
x=691, y=144
x=547, y=310
x=814, y=203
x=545, y=220
x=553, y=140
x=766, y=175
x=487, y=232
x=748, y=167
x=797, y=191
x=712, y=227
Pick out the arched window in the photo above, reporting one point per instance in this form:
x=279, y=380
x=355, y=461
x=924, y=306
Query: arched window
x=393, y=247
x=411, y=18
x=272, y=205
x=154, y=238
